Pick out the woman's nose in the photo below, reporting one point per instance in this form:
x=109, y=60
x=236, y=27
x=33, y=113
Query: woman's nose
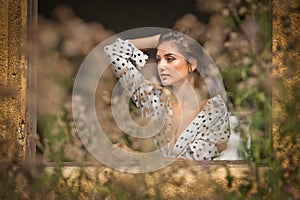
x=162, y=66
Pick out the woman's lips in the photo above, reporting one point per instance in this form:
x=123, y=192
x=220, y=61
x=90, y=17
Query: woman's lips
x=164, y=76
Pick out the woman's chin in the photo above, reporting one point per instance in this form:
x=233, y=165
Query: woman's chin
x=165, y=83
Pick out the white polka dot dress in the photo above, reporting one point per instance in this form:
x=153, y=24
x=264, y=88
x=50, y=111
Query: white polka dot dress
x=198, y=141
x=210, y=127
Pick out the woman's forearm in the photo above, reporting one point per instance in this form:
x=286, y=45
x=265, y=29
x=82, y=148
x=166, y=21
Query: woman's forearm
x=146, y=42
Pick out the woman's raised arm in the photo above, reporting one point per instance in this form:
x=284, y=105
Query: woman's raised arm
x=146, y=42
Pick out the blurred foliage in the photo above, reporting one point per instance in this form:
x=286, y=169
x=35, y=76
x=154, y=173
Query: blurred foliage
x=238, y=37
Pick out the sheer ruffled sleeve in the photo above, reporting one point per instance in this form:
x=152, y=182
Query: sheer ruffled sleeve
x=126, y=62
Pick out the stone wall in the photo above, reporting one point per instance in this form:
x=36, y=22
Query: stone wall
x=12, y=79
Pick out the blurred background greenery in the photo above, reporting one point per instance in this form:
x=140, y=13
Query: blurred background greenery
x=237, y=35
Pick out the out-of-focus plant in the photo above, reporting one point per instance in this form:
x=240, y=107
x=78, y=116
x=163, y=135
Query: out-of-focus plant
x=63, y=44
x=251, y=83
x=238, y=37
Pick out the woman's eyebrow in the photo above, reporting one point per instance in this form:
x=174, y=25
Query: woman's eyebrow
x=174, y=54
x=170, y=54
x=167, y=54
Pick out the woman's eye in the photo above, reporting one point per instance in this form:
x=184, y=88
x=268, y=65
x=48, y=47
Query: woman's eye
x=169, y=59
x=157, y=60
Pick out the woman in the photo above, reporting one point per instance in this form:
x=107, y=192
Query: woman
x=195, y=128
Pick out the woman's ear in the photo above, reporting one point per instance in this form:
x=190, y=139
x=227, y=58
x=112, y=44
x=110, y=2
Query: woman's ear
x=193, y=63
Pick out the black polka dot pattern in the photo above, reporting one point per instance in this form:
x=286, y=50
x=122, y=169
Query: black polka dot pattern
x=199, y=140
x=204, y=132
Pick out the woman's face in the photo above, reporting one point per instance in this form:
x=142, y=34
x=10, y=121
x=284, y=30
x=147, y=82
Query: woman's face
x=172, y=66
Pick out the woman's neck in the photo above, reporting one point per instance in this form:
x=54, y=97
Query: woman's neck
x=185, y=93
x=185, y=108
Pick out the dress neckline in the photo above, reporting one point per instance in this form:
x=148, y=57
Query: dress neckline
x=192, y=124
